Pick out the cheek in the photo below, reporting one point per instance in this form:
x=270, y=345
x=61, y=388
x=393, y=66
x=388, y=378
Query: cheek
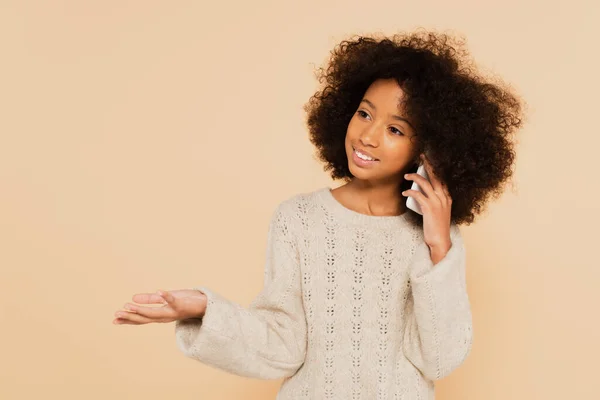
x=350, y=137
x=352, y=127
x=399, y=157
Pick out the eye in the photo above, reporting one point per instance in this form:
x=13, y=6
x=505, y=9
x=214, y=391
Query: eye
x=362, y=113
x=399, y=132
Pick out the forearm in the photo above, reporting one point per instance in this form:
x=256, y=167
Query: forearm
x=438, y=333
x=266, y=340
x=437, y=253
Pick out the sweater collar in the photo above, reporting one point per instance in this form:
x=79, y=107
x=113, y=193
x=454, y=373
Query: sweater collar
x=348, y=215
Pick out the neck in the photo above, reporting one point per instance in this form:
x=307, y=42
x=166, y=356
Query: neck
x=377, y=199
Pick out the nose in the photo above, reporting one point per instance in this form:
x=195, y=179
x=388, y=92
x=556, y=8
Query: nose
x=369, y=136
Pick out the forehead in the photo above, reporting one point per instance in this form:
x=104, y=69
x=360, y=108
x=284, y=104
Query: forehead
x=385, y=93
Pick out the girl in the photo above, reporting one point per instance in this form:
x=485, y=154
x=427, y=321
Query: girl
x=363, y=297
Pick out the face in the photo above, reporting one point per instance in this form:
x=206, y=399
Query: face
x=380, y=129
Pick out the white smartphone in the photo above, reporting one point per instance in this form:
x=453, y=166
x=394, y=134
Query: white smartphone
x=410, y=202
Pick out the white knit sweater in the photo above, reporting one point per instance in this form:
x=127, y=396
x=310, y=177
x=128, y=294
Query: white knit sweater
x=352, y=308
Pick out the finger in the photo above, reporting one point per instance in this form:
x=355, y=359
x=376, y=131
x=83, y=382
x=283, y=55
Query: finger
x=166, y=296
x=440, y=188
x=447, y=193
x=122, y=321
x=433, y=178
x=133, y=317
x=423, y=183
x=154, y=313
x=444, y=192
x=445, y=189
x=148, y=298
x=419, y=197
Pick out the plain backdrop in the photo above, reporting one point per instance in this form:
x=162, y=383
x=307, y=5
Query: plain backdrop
x=145, y=144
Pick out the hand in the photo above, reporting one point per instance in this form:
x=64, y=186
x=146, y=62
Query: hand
x=177, y=305
x=436, y=206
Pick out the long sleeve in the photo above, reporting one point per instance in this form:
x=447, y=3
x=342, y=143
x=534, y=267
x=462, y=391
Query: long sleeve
x=438, y=333
x=268, y=339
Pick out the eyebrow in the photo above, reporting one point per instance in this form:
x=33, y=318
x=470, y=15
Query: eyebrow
x=398, y=117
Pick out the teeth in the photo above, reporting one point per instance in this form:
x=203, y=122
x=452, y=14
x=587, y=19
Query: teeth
x=362, y=156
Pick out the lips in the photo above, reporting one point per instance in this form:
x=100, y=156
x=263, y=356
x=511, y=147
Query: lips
x=366, y=153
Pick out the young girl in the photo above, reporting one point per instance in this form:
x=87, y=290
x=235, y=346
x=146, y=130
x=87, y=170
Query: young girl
x=363, y=297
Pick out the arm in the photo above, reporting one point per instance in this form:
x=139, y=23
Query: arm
x=438, y=333
x=267, y=340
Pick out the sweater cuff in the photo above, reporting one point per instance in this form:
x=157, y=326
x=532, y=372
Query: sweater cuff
x=211, y=328
x=448, y=268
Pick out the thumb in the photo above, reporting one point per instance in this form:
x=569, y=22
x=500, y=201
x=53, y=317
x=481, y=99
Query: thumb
x=168, y=297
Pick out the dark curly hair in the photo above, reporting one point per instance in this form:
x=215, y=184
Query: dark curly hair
x=461, y=121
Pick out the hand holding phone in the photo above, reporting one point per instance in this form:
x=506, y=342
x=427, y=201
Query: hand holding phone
x=410, y=202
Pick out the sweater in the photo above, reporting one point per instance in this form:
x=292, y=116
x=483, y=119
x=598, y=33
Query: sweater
x=351, y=307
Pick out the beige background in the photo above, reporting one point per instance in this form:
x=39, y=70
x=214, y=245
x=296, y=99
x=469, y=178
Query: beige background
x=144, y=145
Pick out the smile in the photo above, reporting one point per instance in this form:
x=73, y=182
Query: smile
x=362, y=160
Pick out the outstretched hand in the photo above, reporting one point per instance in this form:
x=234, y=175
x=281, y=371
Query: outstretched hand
x=176, y=305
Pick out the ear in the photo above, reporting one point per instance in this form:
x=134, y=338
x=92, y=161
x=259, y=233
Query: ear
x=417, y=158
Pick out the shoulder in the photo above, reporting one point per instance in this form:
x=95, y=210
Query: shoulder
x=290, y=216
x=299, y=204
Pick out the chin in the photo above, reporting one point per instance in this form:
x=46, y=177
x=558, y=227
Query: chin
x=361, y=173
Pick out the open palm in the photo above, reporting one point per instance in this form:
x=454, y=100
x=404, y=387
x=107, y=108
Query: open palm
x=175, y=305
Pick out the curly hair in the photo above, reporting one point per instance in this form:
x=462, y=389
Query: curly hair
x=462, y=122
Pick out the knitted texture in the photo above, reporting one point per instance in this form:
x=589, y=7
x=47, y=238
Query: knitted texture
x=352, y=307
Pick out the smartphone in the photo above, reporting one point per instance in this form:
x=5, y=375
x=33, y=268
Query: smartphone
x=410, y=202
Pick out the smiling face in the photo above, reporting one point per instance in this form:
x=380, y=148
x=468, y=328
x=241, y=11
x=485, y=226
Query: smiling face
x=379, y=129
